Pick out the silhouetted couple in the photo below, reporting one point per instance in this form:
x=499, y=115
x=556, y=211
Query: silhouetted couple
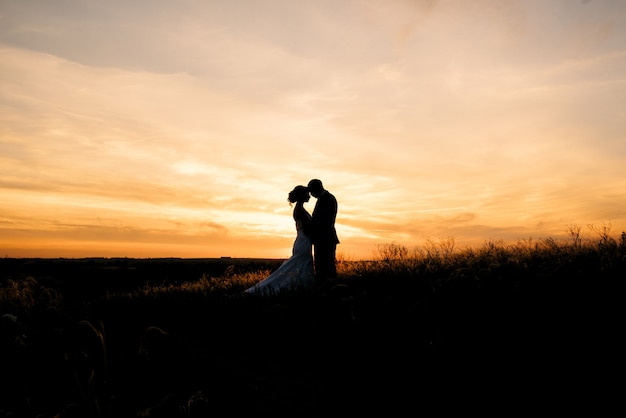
x=313, y=259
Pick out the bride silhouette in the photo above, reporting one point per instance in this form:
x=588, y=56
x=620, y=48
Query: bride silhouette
x=295, y=273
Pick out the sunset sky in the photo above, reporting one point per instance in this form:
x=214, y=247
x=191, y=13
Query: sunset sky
x=158, y=128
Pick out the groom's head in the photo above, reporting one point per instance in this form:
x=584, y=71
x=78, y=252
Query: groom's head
x=315, y=187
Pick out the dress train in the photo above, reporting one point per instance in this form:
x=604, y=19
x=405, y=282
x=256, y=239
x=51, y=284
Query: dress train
x=295, y=273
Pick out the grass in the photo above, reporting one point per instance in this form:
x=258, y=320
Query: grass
x=502, y=327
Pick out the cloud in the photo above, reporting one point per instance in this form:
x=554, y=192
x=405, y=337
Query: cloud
x=426, y=118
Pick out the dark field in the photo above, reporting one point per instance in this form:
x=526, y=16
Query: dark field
x=528, y=329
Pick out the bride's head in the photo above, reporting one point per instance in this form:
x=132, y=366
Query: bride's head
x=299, y=194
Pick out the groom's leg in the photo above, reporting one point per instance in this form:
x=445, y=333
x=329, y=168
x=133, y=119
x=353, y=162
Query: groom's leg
x=325, y=267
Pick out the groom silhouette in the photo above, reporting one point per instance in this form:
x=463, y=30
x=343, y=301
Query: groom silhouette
x=322, y=232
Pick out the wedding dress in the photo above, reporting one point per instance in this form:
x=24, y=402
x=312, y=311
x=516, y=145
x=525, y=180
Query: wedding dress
x=295, y=273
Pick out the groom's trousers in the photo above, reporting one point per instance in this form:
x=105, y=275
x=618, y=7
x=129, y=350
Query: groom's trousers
x=324, y=260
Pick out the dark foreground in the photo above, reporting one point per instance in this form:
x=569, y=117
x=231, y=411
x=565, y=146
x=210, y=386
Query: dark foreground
x=89, y=345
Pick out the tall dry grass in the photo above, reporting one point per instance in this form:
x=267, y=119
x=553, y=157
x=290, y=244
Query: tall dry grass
x=432, y=261
x=416, y=313
x=440, y=261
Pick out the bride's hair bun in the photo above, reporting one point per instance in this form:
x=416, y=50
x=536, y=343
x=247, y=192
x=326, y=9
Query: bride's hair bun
x=298, y=193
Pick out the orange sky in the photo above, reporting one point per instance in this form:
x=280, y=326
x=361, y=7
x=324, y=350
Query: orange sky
x=176, y=129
